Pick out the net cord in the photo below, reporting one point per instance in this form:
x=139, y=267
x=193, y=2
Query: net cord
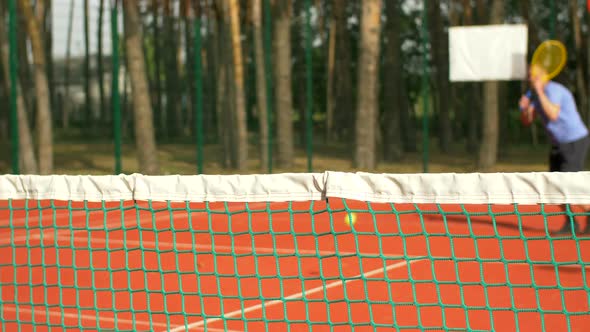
x=448, y=188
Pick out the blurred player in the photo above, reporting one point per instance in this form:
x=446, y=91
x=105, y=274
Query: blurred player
x=554, y=104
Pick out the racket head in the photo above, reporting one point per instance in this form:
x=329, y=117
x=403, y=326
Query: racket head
x=549, y=59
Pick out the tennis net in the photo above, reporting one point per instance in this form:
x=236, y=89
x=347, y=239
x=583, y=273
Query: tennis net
x=294, y=252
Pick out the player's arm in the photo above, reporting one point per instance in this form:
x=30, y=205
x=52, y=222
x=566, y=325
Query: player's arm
x=550, y=109
x=527, y=110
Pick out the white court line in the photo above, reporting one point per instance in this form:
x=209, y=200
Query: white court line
x=42, y=312
x=48, y=233
x=241, y=249
x=286, y=251
x=291, y=251
x=128, y=214
x=300, y=295
x=21, y=221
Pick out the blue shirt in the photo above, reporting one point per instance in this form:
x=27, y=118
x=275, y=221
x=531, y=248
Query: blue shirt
x=568, y=126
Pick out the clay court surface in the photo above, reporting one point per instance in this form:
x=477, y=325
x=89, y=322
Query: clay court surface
x=235, y=267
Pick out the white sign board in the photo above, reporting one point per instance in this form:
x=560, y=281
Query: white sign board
x=488, y=53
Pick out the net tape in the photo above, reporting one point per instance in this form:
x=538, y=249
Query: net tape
x=448, y=188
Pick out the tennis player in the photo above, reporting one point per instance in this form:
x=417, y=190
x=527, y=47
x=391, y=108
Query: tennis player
x=554, y=104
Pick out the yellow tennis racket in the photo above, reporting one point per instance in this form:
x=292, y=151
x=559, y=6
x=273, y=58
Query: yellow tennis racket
x=549, y=59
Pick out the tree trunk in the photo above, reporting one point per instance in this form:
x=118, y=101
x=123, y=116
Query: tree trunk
x=28, y=163
x=581, y=88
x=471, y=89
x=488, y=152
x=439, y=43
x=587, y=58
x=189, y=67
x=240, y=127
x=222, y=57
x=42, y=13
x=89, y=119
x=481, y=9
x=503, y=119
x=534, y=40
x=230, y=120
x=126, y=122
x=173, y=109
x=204, y=14
x=44, y=129
x=283, y=91
x=489, y=146
x=394, y=86
x=220, y=87
x=343, y=77
x=457, y=91
x=25, y=71
x=144, y=131
x=100, y=64
x=261, y=102
x=299, y=68
x=5, y=100
x=161, y=129
x=44, y=10
x=330, y=98
x=368, y=79
x=65, y=112
x=209, y=67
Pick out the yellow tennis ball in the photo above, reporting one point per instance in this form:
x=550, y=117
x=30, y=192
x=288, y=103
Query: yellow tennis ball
x=350, y=219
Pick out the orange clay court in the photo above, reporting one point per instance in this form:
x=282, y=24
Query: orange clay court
x=236, y=267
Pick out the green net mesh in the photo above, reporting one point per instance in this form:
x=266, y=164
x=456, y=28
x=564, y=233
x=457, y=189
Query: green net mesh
x=182, y=265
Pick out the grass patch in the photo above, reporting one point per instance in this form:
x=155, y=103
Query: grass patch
x=97, y=158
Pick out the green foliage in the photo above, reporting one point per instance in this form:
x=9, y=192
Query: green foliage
x=412, y=49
